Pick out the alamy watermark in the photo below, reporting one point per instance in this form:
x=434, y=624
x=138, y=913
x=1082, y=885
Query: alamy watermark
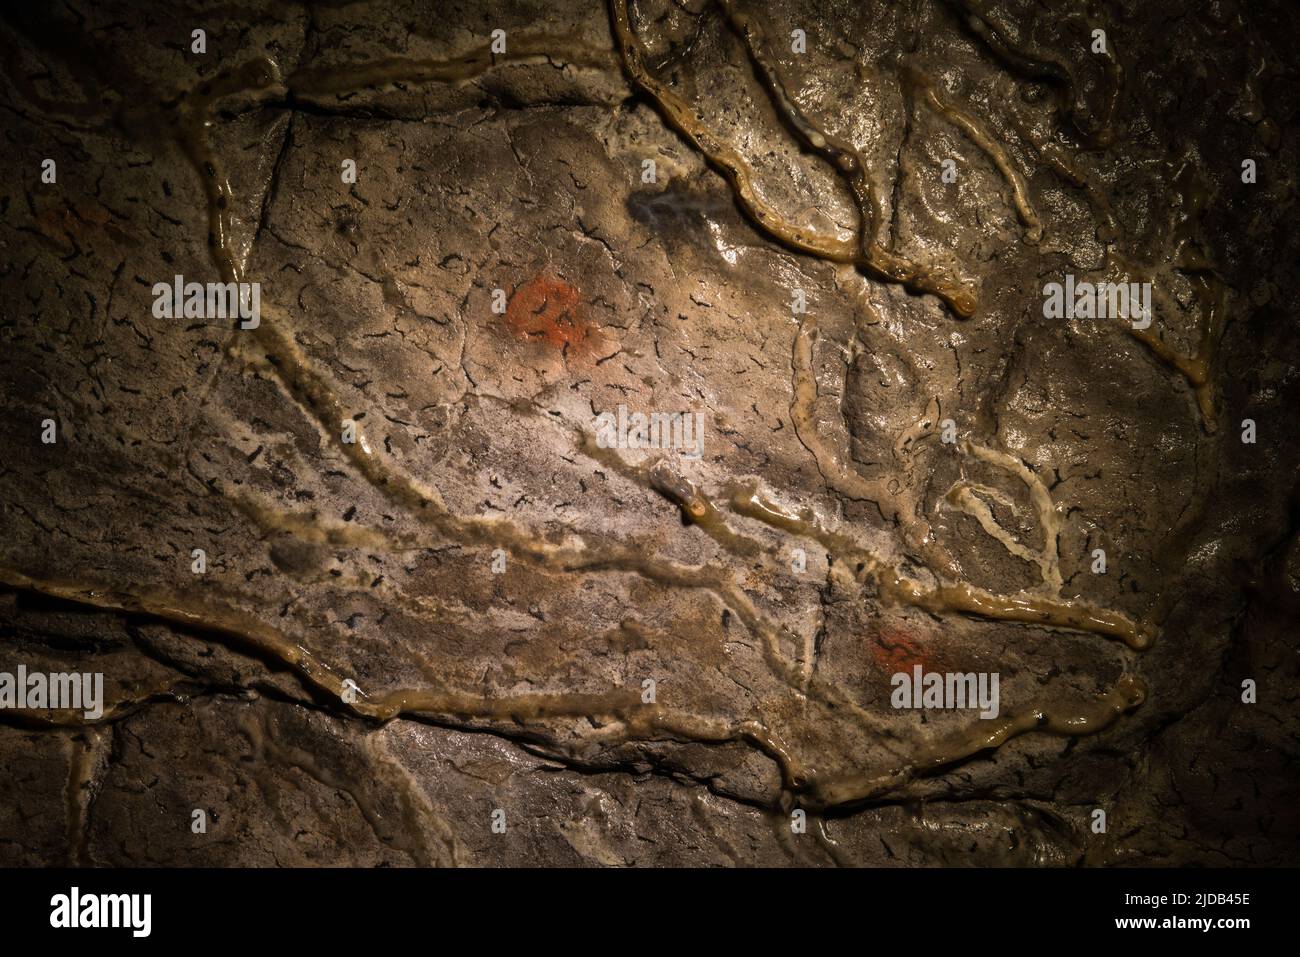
x=1103, y=300
x=215, y=300
x=53, y=691
x=953, y=690
x=683, y=431
x=75, y=909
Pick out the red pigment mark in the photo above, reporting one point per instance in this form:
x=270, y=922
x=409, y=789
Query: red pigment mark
x=72, y=220
x=894, y=651
x=548, y=310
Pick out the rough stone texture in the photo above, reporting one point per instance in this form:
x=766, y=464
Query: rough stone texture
x=522, y=691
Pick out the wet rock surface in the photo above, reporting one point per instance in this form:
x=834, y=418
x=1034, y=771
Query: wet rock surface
x=432, y=600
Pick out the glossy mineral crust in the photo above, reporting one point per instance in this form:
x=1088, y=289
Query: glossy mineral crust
x=367, y=585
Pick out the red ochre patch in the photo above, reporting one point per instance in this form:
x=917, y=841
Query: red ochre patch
x=548, y=310
x=71, y=220
x=894, y=651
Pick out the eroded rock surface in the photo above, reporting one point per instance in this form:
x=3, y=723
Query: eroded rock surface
x=430, y=593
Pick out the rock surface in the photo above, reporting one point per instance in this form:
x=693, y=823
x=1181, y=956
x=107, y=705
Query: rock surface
x=429, y=594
